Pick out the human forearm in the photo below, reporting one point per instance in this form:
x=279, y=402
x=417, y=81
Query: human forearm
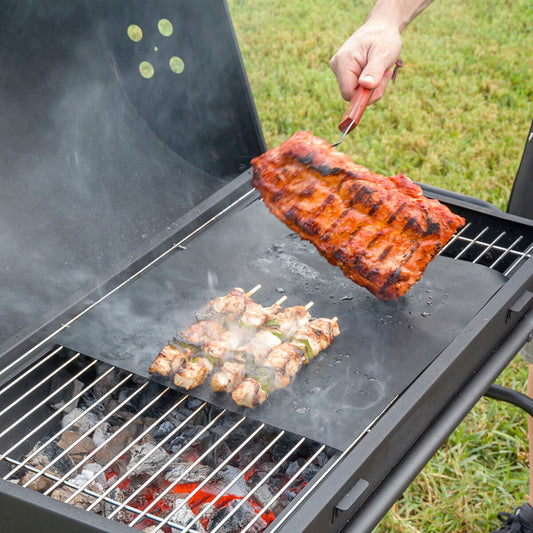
x=396, y=13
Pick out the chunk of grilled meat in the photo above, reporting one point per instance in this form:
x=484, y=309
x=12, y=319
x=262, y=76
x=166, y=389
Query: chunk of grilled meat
x=287, y=321
x=284, y=361
x=316, y=335
x=259, y=346
x=381, y=231
x=231, y=306
x=229, y=376
x=227, y=342
x=249, y=394
x=255, y=315
x=176, y=354
x=281, y=326
x=170, y=359
x=199, y=333
x=194, y=373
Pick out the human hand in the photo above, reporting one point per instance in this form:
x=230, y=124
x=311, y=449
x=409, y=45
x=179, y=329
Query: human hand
x=366, y=59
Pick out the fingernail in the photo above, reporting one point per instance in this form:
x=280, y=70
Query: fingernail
x=369, y=79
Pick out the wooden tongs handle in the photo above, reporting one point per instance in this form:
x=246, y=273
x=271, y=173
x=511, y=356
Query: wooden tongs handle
x=355, y=110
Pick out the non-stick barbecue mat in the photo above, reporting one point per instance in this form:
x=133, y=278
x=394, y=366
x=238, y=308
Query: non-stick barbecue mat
x=382, y=347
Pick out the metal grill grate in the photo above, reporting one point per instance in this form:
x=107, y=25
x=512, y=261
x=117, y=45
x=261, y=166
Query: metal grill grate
x=114, y=443
x=490, y=247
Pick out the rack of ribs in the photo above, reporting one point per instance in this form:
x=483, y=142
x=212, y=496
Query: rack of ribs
x=381, y=231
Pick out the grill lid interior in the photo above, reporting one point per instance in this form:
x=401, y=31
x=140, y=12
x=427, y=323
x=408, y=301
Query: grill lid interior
x=99, y=153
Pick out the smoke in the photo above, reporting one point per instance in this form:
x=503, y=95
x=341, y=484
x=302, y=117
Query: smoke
x=94, y=165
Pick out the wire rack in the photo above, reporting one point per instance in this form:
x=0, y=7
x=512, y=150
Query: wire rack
x=26, y=433
x=490, y=247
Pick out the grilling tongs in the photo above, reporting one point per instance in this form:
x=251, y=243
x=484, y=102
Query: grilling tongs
x=354, y=112
x=357, y=106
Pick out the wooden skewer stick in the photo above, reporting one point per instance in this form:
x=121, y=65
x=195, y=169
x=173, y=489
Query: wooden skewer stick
x=254, y=290
x=280, y=301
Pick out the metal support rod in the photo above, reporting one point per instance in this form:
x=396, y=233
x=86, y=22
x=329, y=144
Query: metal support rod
x=94, y=451
x=488, y=248
x=165, y=465
x=163, y=493
x=47, y=421
x=265, y=478
x=92, y=494
x=505, y=394
x=126, y=449
x=284, y=488
x=49, y=377
x=226, y=489
x=131, y=468
x=29, y=370
x=217, y=470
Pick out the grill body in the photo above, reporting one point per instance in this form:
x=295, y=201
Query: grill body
x=408, y=432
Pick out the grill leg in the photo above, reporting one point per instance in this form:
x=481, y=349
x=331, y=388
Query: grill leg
x=497, y=392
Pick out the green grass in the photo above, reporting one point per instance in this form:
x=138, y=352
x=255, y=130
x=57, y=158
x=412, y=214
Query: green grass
x=457, y=118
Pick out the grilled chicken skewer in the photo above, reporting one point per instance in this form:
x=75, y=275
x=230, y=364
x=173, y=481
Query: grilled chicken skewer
x=284, y=361
x=196, y=370
x=282, y=327
x=182, y=348
x=170, y=359
x=230, y=307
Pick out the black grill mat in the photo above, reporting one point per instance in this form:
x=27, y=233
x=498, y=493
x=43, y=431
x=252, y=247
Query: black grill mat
x=382, y=348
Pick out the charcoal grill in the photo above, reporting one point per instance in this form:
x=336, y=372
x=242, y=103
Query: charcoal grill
x=96, y=295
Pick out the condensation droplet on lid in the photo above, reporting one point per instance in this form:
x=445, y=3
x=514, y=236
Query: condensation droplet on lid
x=135, y=33
x=146, y=69
x=302, y=410
x=176, y=64
x=425, y=314
x=165, y=27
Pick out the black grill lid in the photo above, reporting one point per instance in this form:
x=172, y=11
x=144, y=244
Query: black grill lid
x=96, y=160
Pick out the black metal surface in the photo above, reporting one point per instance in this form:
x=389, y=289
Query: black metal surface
x=403, y=440
x=438, y=428
x=21, y=509
x=520, y=199
x=336, y=397
x=97, y=161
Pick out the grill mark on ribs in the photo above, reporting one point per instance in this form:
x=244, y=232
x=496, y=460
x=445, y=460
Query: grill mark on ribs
x=381, y=231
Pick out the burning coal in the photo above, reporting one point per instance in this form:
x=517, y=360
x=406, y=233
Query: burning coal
x=147, y=456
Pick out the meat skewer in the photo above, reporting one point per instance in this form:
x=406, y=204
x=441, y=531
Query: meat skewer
x=284, y=362
x=283, y=325
x=183, y=347
x=196, y=370
x=229, y=307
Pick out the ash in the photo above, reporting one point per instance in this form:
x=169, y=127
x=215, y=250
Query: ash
x=140, y=454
